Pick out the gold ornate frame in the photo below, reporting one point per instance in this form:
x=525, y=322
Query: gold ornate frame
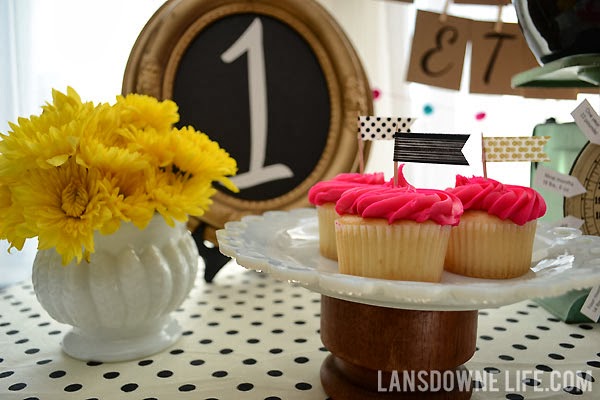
x=154, y=59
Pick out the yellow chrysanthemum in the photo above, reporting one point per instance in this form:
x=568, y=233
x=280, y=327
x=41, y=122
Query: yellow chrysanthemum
x=143, y=112
x=65, y=205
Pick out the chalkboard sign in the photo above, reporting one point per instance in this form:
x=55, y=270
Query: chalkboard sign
x=276, y=82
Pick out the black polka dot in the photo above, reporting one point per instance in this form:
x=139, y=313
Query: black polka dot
x=475, y=384
x=544, y=368
x=232, y=332
x=506, y=357
x=17, y=386
x=176, y=351
x=93, y=363
x=274, y=372
x=145, y=362
x=585, y=376
x=595, y=364
x=577, y=336
x=277, y=331
x=187, y=388
x=197, y=362
x=486, y=337
x=55, y=332
x=186, y=333
x=32, y=351
x=300, y=340
x=512, y=320
x=532, y=337
x=514, y=396
x=6, y=374
x=499, y=328
x=219, y=374
x=566, y=345
x=12, y=332
x=21, y=341
x=543, y=328
x=164, y=373
x=491, y=370
x=111, y=375
x=519, y=346
x=205, y=341
x=301, y=360
x=249, y=361
x=42, y=362
x=244, y=387
x=586, y=327
x=253, y=341
x=272, y=398
x=555, y=356
x=226, y=351
x=276, y=351
x=129, y=387
x=531, y=382
x=483, y=313
x=303, y=386
x=573, y=390
x=74, y=387
x=57, y=374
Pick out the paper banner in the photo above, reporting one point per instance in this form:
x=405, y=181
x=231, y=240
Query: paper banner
x=433, y=148
x=503, y=149
x=588, y=121
x=382, y=128
x=563, y=184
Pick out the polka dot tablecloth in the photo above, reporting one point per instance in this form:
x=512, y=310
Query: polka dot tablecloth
x=248, y=336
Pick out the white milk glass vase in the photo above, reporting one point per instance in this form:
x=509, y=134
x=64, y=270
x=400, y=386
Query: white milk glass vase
x=119, y=304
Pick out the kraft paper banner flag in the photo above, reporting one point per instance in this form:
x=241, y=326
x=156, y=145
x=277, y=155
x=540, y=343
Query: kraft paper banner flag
x=504, y=149
x=434, y=148
x=382, y=128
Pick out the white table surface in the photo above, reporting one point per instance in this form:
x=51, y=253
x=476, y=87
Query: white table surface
x=248, y=336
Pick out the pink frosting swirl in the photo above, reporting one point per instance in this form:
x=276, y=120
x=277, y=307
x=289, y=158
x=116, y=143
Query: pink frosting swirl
x=330, y=191
x=519, y=204
x=401, y=203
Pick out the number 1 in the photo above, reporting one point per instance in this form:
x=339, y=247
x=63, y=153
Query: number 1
x=251, y=42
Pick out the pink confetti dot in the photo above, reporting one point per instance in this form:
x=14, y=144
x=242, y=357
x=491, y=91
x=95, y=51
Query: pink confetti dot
x=480, y=116
x=376, y=94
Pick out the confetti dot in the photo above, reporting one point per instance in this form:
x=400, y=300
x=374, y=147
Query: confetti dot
x=480, y=116
x=376, y=94
x=427, y=109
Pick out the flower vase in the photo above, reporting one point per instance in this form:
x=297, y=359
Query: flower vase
x=119, y=303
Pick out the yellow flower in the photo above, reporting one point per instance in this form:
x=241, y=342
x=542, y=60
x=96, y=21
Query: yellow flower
x=80, y=168
x=143, y=112
x=65, y=205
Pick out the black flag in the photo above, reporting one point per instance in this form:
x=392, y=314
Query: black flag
x=433, y=148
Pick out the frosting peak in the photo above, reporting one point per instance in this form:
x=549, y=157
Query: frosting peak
x=519, y=204
x=330, y=191
x=401, y=203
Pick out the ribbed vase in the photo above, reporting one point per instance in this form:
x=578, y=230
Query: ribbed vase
x=120, y=302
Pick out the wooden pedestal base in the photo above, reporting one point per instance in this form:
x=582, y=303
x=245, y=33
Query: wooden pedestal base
x=389, y=353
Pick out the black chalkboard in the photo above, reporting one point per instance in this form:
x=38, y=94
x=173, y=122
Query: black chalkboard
x=212, y=90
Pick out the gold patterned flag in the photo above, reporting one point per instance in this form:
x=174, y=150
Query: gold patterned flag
x=503, y=149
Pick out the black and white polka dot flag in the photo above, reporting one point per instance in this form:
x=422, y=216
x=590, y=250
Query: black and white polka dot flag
x=382, y=128
x=433, y=148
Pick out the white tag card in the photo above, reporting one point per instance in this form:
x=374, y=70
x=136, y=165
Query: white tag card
x=564, y=184
x=591, y=306
x=588, y=121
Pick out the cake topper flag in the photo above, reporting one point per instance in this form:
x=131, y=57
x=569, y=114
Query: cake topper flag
x=503, y=149
x=434, y=148
x=379, y=128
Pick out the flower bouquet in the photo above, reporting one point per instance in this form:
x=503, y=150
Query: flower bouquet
x=79, y=168
x=107, y=189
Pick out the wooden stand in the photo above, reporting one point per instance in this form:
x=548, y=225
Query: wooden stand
x=375, y=351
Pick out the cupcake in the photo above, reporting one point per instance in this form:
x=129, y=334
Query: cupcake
x=494, y=239
x=398, y=233
x=323, y=196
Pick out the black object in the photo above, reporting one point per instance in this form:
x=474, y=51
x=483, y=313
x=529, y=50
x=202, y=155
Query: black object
x=434, y=148
x=555, y=29
x=214, y=260
x=214, y=94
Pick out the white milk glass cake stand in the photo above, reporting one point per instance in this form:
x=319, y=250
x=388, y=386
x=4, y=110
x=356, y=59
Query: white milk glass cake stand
x=428, y=326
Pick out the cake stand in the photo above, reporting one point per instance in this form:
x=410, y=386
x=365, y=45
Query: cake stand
x=400, y=339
